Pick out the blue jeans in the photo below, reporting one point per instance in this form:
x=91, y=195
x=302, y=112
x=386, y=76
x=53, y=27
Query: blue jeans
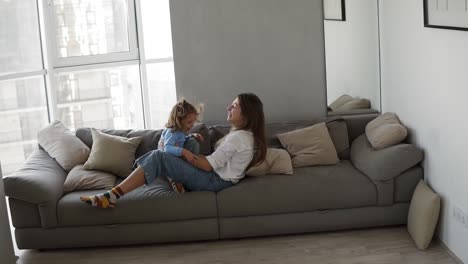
x=158, y=163
x=192, y=145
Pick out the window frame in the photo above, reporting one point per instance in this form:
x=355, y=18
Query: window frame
x=57, y=62
x=144, y=62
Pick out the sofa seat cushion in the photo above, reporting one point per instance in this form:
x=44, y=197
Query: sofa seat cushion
x=154, y=203
x=308, y=189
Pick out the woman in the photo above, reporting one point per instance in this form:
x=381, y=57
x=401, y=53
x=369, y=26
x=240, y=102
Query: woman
x=218, y=171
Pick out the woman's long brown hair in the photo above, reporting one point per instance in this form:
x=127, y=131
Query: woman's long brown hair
x=254, y=120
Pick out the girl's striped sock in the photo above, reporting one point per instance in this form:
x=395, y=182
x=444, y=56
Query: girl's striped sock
x=104, y=200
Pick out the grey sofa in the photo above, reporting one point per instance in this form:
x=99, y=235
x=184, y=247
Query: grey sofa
x=366, y=188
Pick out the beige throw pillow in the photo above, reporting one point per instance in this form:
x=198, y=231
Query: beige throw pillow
x=112, y=153
x=310, y=146
x=385, y=131
x=277, y=161
x=354, y=104
x=340, y=101
x=80, y=179
x=62, y=145
x=423, y=215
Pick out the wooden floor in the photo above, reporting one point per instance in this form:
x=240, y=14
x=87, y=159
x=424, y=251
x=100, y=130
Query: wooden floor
x=376, y=246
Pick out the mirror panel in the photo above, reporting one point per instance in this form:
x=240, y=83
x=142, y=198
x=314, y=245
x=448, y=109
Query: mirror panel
x=353, y=60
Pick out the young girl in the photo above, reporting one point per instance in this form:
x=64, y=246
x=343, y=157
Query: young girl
x=243, y=147
x=176, y=140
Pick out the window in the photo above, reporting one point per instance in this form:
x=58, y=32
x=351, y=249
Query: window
x=23, y=105
x=88, y=31
x=101, y=98
x=156, y=29
x=157, y=61
x=19, y=37
x=23, y=111
x=162, y=92
x=91, y=72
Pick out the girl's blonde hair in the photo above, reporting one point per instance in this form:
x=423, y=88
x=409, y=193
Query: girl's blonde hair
x=180, y=111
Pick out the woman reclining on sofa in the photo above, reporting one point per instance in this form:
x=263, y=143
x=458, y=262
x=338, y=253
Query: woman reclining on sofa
x=243, y=147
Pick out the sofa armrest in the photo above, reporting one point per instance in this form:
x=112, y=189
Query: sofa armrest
x=40, y=182
x=385, y=164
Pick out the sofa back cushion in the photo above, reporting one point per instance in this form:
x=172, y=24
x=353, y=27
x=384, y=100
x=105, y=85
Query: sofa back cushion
x=336, y=127
x=149, y=138
x=356, y=124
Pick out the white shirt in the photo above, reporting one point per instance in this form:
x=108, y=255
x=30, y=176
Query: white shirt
x=233, y=156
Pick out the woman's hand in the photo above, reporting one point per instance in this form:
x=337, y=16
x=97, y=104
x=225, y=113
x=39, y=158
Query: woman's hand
x=189, y=156
x=203, y=163
x=198, y=137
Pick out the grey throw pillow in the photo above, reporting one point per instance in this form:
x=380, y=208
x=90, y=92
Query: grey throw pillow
x=80, y=179
x=62, y=145
x=113, y=154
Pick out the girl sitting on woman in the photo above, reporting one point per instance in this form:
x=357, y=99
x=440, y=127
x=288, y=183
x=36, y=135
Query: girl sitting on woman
x=242, y=148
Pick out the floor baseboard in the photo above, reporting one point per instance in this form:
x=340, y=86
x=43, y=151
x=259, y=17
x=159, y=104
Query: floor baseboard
x=455, y=258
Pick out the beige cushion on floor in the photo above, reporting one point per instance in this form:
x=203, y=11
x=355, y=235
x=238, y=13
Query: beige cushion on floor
x=340, y=101
x=423, y=215
x=113, y=154
x=277, y=161
x=385, y=131
x=310, y=146
x=62, y=145
x=80, y=179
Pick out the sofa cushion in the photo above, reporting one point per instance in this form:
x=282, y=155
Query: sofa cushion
x=338, y=102
x=277, y=161
x=156, y=202
x=149, y=138
x=113, y=154
x=337, y=128
x=339, y=134
x=40, y=182
x=80, y=179
x=405, y=184
x=309, y=189
x=310, y=146
x=423, y=215
x=385, y=164
x=356, y=124
x=354, y=104
x=202, y=129
x=62, y=145
x=385, y=131
x=353, y=112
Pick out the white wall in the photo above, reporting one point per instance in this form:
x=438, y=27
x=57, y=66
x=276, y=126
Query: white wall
x=352, y=53
x=425, y=81
x=273, y=48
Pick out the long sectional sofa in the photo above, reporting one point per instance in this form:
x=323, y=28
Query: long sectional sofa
x=366, y=188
